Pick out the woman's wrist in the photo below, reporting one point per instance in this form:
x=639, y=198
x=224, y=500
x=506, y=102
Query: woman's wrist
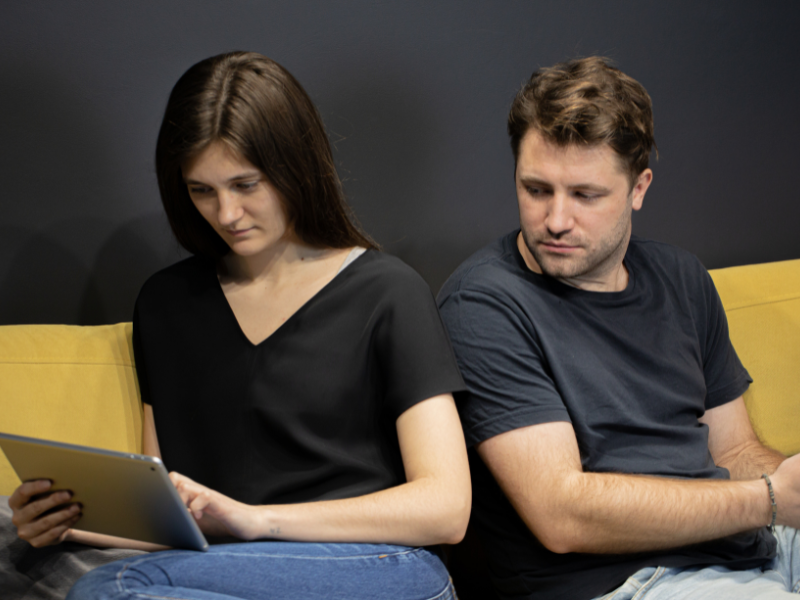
x=268, y=523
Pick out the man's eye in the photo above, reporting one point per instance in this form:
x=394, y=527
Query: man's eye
x=585, y=196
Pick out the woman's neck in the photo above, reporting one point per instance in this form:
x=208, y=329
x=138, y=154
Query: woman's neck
x=280, y=264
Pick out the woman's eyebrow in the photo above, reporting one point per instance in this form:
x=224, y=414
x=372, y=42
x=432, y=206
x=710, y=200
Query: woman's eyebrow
x=246, y=175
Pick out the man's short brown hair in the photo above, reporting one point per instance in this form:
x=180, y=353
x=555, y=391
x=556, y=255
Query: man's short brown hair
x=586, y=101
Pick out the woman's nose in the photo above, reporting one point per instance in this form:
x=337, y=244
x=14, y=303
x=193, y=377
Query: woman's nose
x=230, y=209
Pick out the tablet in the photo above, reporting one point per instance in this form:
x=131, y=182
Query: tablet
x=124, y=495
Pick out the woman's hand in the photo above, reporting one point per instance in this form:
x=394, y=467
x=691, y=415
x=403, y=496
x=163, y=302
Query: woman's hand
x=431, y=507
x=215, y=513
x=42, y=518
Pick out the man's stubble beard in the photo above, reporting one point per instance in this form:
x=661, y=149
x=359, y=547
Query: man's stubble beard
x=608, y=254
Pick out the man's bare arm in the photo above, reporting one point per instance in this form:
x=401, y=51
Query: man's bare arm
x=539, y=469
x=735, y=446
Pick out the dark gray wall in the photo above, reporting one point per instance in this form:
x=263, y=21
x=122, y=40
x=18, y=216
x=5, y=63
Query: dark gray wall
x=414, y=95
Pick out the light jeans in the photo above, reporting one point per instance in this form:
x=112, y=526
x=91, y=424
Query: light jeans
x=273, y=570
x=780, y=578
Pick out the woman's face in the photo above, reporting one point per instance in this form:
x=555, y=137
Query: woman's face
x=236, y=200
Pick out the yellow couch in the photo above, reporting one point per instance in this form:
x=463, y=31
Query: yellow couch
x=70, y=384
x=762, y=303
x=78, y=384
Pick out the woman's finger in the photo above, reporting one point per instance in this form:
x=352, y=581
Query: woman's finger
x=176, y=477
x=184, y=486
x=23, y=494
x=34, y=529
x=54, y=535
x=35, y=508
x=48, y=529
x=183, y=491
x=199, y=503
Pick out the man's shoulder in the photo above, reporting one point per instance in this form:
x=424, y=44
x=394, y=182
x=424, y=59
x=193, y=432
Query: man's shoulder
x=662, y=253
x=665, y=261
x=490, y=269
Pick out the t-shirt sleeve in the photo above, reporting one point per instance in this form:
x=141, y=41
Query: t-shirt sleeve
x=414, y=352
x=508, y=380
x=726, y=378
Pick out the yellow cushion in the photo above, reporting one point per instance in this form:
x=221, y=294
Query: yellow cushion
x=69, y=384
x=762, y=303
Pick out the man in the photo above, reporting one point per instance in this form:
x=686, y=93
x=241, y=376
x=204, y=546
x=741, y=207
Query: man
x=610, y=446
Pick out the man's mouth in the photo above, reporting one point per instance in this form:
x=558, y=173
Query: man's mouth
x=558, y=247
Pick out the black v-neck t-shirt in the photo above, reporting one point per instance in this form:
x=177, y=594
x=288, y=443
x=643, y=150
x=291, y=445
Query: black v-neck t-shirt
x=307, y=414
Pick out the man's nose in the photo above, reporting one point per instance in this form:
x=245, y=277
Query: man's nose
x=559, y=215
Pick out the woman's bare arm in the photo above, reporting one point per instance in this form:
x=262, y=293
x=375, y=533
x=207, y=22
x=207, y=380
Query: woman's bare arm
x=432, y=507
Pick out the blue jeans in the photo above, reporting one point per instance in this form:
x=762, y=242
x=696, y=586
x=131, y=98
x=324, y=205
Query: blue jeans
x=279, y=570
x=780, y=578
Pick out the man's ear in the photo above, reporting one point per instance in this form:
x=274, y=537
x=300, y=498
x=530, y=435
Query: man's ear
x=640, y=188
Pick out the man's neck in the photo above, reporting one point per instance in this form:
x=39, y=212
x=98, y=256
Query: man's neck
x=613, y=278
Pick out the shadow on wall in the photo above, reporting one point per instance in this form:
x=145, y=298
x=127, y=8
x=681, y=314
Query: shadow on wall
x=70, y=256
x=131, y=253
x=44, y=280
x=47, y=282
x=387, y=126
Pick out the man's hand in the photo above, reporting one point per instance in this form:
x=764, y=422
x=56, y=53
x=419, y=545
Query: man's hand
x=42, y=518
x=786, y=486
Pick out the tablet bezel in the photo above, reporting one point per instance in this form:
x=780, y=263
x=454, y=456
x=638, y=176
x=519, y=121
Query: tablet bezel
x=123, y=494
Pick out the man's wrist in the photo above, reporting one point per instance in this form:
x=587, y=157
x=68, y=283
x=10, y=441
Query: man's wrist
x=773, y=504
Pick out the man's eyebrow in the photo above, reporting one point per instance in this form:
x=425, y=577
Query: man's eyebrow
x=591, y=187
x=530, y=180
x=246, y=175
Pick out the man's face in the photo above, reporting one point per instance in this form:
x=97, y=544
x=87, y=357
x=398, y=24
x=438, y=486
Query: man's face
x=575, y=206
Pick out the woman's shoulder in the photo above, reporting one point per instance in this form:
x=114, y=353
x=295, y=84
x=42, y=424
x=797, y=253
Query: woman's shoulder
x=381, y=271
x=183, y=277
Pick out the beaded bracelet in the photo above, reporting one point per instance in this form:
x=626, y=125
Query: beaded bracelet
x=771, y=526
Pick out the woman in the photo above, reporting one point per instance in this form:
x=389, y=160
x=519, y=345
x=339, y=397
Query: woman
x=295, y=380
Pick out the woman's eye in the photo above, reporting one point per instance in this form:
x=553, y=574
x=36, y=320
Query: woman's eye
x=246, y=185
x=197, y=190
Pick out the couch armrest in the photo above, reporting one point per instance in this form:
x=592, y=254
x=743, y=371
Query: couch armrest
x=70, y=384
x=762, y=303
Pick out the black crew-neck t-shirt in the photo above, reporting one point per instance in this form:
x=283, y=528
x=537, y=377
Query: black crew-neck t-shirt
x=632, y=371
x=309, y=413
